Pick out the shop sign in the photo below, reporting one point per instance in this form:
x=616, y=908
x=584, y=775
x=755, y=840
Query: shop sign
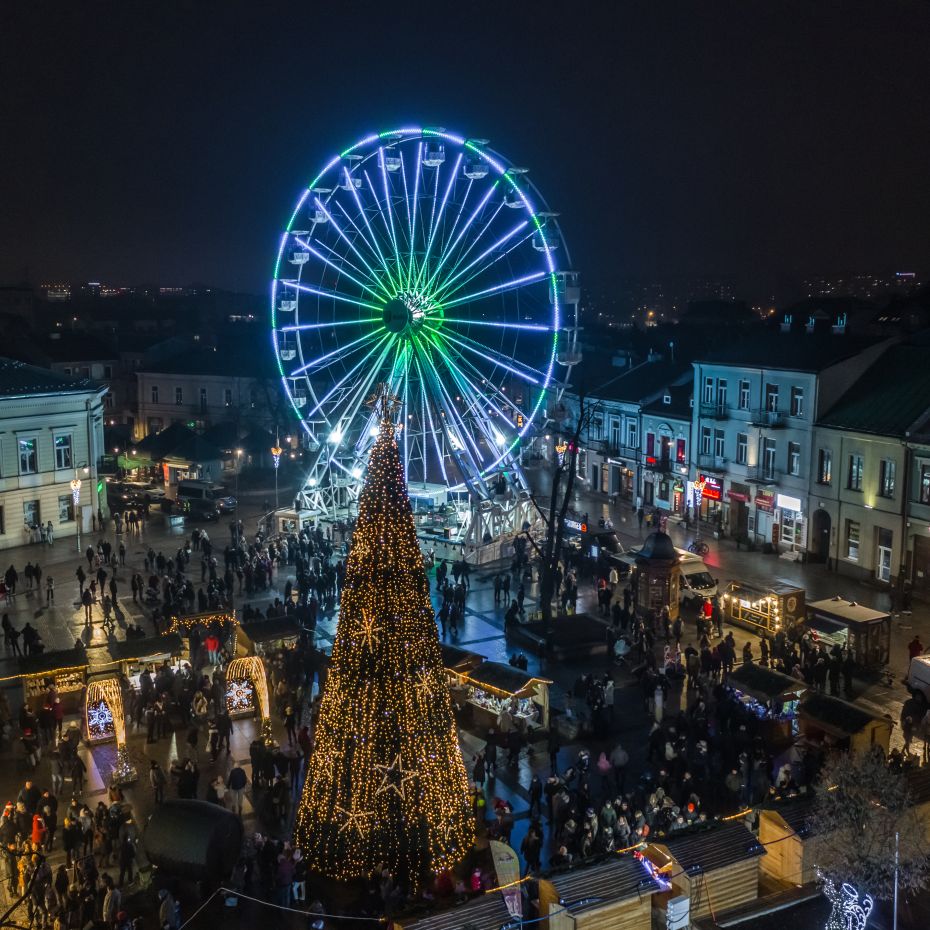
x=712, y=490
x=737, y=496
x=784, y=502
x=765, y=500
x=577, y=525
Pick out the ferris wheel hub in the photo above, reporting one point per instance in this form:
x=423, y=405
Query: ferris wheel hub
x=408, y=311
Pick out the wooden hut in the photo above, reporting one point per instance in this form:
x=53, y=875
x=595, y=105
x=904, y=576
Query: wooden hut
x=487, y=912
x=770, y=695
x=615, y=895
x=65, y=670
x=266, y=636
x=494, y=687
x=843, y=725
x=716, y=869
x=790, y=835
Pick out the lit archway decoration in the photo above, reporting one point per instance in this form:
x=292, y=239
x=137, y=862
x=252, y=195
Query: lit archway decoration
x=105, y=719
x=247, y=688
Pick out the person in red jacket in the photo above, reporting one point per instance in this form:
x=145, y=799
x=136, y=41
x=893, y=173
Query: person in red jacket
x=39, y=831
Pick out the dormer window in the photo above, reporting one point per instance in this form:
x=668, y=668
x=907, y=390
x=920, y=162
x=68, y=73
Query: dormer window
x=667, y=399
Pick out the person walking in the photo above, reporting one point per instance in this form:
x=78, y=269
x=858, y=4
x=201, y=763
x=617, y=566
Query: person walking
x=158, y=779
x=236, y=783
x=49, y=591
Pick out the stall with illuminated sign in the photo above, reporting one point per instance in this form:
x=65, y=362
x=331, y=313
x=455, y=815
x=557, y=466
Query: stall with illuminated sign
x=494, y=689
x=763, y=610
x=222, y=624
x=866, y=632
x=65, y=671
x=708, y=498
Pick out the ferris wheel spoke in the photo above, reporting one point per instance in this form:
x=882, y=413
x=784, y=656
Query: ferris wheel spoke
x=376, y=255
x=447, y=237
x=374, y=238
x=332, y=295
x=496, y=394
x=302, y=327
x=409, y=230
x=349, y=374
x=492, y=355
x=530, y=327
x=499, y=288
x=424, y=390
x=387, y=214
x=374, y=275
x=414, y=212
x=348, y=349
x=436, y=218
x=444, y=289
x=341, y=260
x=463, y=254
x=337, y=268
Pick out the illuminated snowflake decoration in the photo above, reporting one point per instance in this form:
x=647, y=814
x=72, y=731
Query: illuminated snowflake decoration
x=100, y=723
x=240, y=695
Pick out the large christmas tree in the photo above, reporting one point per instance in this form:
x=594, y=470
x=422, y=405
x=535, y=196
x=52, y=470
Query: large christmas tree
x=385, y=783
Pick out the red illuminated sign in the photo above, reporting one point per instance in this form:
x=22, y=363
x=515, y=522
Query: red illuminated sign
x=712, y=490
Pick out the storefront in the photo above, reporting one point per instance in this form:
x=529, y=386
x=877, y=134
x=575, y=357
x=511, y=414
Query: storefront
x=763, y=610
x=765, y=517
x=866, y=632
x=133, y=656
x=622, y=479
x=708, y=498
x=64, y=671
x=494, y=690
x=792, y=533
x=739, y=497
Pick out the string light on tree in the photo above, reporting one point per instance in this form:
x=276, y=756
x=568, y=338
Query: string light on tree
x=386, y=783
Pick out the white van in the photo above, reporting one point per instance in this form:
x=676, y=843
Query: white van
x=918, y=676
x=697, y=583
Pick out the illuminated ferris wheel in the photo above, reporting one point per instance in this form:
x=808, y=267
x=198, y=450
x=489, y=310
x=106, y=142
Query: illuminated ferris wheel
x=426, y=261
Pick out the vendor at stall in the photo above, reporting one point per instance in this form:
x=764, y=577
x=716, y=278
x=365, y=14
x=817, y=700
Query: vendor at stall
x=504, y=697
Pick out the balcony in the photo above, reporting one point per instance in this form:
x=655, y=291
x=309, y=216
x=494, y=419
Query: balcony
x=716, y=411
x=759, y=474
x=661, y=465
x=768, y=419
x=715, y=463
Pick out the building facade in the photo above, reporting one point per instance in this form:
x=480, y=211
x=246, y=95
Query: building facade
x=51, y=433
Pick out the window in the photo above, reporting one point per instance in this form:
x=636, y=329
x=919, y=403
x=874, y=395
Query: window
x=108, y=400
x=771, y=398
x=708, y=391
x=28, y=456
x=824, y=466
x=854, y=479
x=719, y=444
x=924, y=490
x=769, y=451
x=632, y=440
x=31, y=514
x=721, y=393
x=852, y=540
x=886, y=478
x=65, y=508
x=154, y=393
x=203, y=400
x=797, y=402
x=650, y=445
x=794, y=458
x=681, y=454
x=227, y=397
x=107, y=371
x=615, y=433
x=742, y=447
x=744, y=395
x=63, y=457
x=705, y=440
x=179, y=396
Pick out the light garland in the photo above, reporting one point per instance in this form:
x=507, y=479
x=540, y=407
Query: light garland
x=184, y=625
x=249, y=669
x=847, y=911
x=386, y=783
x=106, y=719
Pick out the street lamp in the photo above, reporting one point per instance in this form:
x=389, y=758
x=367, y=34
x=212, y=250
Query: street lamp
x=76, y=501
x=276, y=451
x=238, y=469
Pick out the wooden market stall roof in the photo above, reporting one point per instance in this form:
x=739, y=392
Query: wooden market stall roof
x=798, y=815
x=836, y=717
x=47, y=663
x=263, y=631
x=614, y=880
x=708, y=850
x=504, y=680
x=848, y=612
x=764, y=684
x=487, y=912
x=132, y=650
x=456, y=659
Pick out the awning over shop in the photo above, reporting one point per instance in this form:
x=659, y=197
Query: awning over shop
x=505, y=680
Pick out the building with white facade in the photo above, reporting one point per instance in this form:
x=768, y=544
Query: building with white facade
x=870, y=475
x=755, y=405
x=51, y=433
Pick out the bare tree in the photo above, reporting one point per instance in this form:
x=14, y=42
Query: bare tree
x=861, y=805
x=560, y=498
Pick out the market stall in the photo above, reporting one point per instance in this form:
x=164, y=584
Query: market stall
x=264, y=637
x=494, y=688
x=791, y=835
x=64, y=670
x=842, y=725
x=458, y=662
x=866, y=632
x=770, y=696
x=763, y=610
x=133, y=656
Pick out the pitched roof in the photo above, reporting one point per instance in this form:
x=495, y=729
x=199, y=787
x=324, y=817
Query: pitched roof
x=792, y=351
x=707, y=850
x=836, y=715
x=680, y=406
x=487, y=912
x=17, y=379
x=890, y=398
x=596, y=885
x=642, y=382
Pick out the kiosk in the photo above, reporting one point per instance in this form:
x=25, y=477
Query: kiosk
x=133, y=655
x=64, y=670
x=493, y=687
x=842, y=725
x=769, y=695
x=265, y=637
x=763, y=610
x=866, y=632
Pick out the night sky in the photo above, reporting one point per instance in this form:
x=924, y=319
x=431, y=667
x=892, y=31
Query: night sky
x=166, y=143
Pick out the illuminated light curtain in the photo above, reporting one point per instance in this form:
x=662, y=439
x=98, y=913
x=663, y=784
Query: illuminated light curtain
x=109, y=692
x=253, y=668
x=386, y=782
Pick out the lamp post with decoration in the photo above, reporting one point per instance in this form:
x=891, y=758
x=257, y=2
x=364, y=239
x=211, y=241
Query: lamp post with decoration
x=76, y=502
x=276, y=451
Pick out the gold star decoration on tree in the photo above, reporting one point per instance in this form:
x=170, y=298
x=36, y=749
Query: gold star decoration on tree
x=326, y=764
x=423, y=684
x=395, y=777
x=369, y=631
x=355, y=819
x=384, y=403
